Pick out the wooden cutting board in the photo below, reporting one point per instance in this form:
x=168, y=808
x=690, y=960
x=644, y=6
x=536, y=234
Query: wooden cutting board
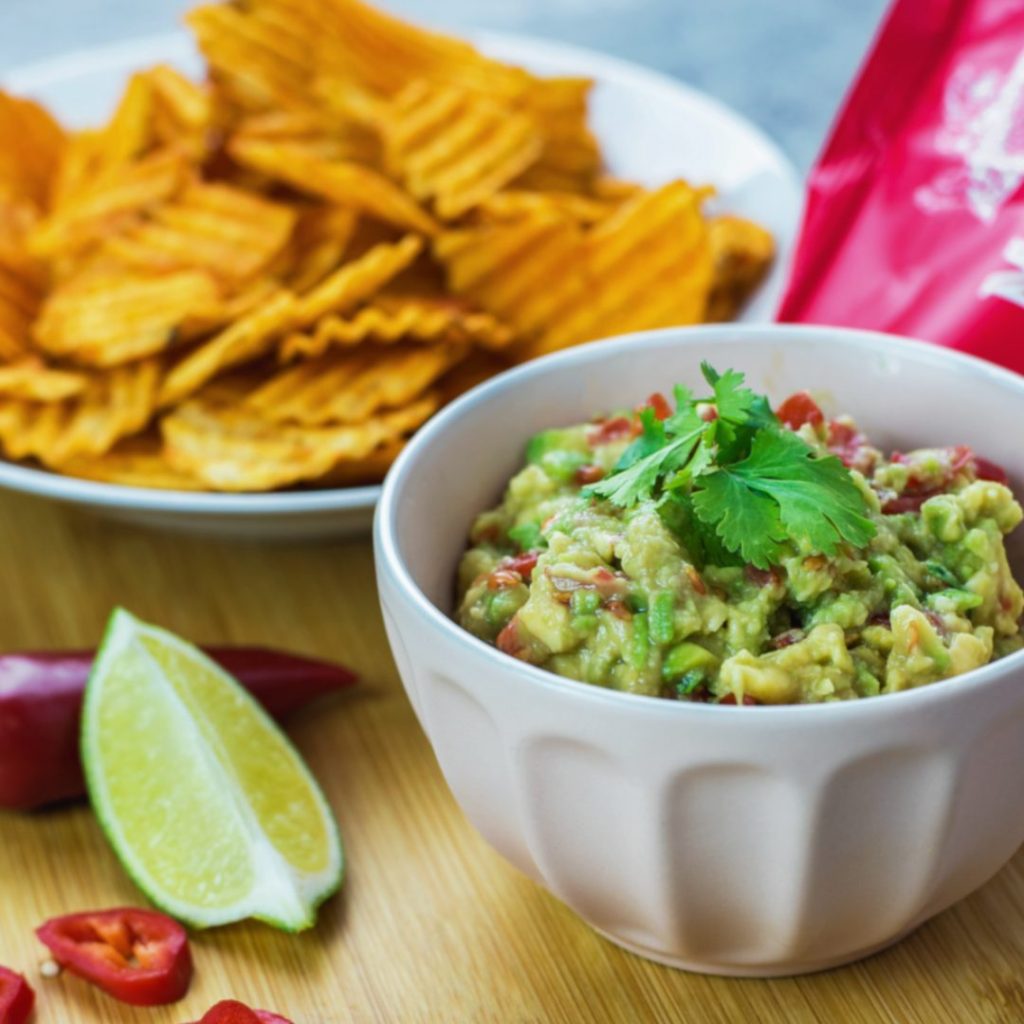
x=431, y=925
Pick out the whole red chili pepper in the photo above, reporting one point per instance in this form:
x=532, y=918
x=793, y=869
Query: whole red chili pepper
x=137, y=956
x=16, y=998
x=41, y=702
x=230, y=1011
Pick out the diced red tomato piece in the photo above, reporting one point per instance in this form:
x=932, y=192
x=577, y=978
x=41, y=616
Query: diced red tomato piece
x=613, y=430
x=907, y=502
x=137, y=956
x=231, y=1011
x=985, y=470
x=589, y=474
x=799, y=409
x=509, y=642
x=16, y=998
x=660, y=405
x=730, y=698
x=524, y=564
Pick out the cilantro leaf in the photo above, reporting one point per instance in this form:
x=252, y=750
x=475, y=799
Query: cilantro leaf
x=639, y=478
x=783, y=491
x=819, y=503
x=652, y=438
x=746, y=520
x=733, y=483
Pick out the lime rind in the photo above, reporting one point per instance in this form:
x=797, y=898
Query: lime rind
x=281, y=895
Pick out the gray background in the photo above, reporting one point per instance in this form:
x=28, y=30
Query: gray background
x=783, y=63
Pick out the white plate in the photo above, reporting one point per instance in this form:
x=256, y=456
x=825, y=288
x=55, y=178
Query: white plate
x=651, y=128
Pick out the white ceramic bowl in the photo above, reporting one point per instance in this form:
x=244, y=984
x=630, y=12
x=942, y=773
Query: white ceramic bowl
x=651, y=129
x=750, y=841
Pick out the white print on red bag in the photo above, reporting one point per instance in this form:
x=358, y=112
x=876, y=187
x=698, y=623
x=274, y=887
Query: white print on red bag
x=983, y=126
x=1007, y=284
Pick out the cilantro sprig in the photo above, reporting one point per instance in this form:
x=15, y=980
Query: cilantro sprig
x=736, y=483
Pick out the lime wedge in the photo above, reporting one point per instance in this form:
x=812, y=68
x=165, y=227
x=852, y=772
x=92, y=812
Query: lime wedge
x=205, y=801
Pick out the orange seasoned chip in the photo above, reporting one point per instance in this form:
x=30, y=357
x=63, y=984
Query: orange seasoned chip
x=21, y=292
x=328, y=136
x=351, y=387
x=31, y=144
x=236, y=449
x=742, y=253
x=183, y=111
x=525, y=272
x=342, y=182
x=357, y=281
x=30, y=378
x=454, y=147
x=135, y=462
x=259, y=62
x=108, y=320
x=394, y=319
x=98, y=204
x=370, y=469
x=320, y=241
x=225, y=231
x=249, y=337
x=518, y=204
x=115, y=404
x=648, y=265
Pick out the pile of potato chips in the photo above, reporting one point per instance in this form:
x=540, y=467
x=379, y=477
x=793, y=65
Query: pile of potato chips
x=273, y=277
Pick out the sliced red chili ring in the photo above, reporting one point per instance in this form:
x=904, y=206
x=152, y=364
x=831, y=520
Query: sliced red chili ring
x=137, y=956
x=231, y=1011
x=16, y=998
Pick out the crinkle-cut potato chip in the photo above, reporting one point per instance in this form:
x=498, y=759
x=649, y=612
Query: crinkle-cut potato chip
x=248, y=338
x=106, y=321
x=455, y=147
x=342, y=182
x=113, y=405
x=648, y=265
x=31, y=379
x=134, y=462
x=31, y=144
x=21, y=292
x=351, y=387
x=183, y=111
x=225, y=231
x=355, y=41
x=393, y=319
x=320, y=242
x=99, y=204
x=742, y=253
x=517, y=204
x=357, y=281
x=129, y=134
x=259, y=62
x=525, y=272
x=201, y=323
x=238, y=449
x=370, y=469
x=331, y=138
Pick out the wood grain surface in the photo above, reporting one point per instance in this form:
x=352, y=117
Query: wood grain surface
x=431, y=925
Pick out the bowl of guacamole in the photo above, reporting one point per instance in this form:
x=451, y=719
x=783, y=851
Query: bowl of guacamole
x=715, y=633
x=714, y=549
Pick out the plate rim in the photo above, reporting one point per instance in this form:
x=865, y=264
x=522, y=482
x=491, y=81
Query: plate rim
x=37, y=76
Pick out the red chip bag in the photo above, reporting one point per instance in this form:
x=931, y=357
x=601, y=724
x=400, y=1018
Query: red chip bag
x=915, y=211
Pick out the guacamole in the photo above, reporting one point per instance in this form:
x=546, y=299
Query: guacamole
x=620, y=596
